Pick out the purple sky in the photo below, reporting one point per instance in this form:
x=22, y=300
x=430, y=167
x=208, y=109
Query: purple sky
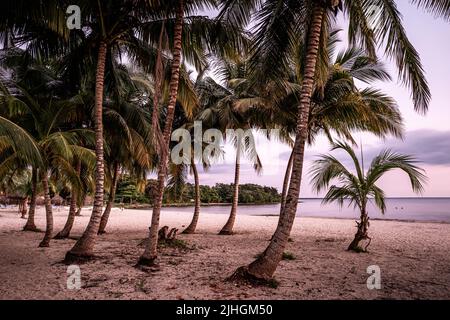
x=427, y=137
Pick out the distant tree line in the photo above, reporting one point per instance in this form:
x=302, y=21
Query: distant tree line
x=130, y=190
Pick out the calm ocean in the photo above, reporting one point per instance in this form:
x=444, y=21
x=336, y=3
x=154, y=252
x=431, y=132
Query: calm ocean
x=408, y=209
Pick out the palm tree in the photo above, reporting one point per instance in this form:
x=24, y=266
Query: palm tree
x=222, y=109
x=129, y=134
x=197, y=201
x=178, y=172
x=115, y=27
x=74, y=197
x=338, y=107
x=38, y=109
x=150, y=253
x=360, y=188
x=23, y=187
x=30, y=224
x=243, y=144
x=275, y=39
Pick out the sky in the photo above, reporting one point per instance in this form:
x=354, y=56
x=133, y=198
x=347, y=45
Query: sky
x=427, y=136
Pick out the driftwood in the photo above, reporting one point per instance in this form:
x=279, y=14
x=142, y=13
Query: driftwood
x=165, y=235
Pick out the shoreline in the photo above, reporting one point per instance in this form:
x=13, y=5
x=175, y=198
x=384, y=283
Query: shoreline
x=344, y=218
x=258, y=215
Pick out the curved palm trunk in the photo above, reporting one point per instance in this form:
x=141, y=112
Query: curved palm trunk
x=48, y=212
x=287, y=177
x=264, y=267
x=193, y=225
x=228, y=227
x=158, y=83
x=112, y=196
x=150, y=254
x=84, y=247
x=30, y=225
x=24, y=208
x=83, y=198
x=361, y=233
x=65, y=232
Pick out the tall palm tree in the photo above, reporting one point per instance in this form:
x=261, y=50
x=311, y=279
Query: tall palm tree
x=338, y=107
x=150, y=253
x=280, y=24
x=129, y=134
x=223, y=110
x=115, y=27
x=360, y=188
x=243, y=145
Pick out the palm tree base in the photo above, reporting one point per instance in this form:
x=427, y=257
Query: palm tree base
x=31, y=229
x=147, y=262
x=188, y=231
x=225, y=233
x=44, y=244
x=355, y=245
x=243, y=276
x=358, y=250
x=61, y=235
x=72, y=257
x=101, y=232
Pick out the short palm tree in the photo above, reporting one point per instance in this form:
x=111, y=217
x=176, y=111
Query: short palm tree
x=360, y=188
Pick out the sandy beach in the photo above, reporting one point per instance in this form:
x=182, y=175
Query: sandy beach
x=413, y=258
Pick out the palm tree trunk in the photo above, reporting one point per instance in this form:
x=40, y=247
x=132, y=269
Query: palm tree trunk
x=24, y=208
x=150, y=254
x=228, y=227
x=157, y=94
x=191, y=228
x=112, y=196
x=361, y=233
x=48, y=211
x=287, y=177
x=84, y=247
x=80, y=207
x=264, y=267
x=65, y=232
x=30, y=225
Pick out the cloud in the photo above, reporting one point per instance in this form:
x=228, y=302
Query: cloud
x=430, y=147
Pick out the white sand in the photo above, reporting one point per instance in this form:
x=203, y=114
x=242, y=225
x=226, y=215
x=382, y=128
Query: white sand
x=413, y=257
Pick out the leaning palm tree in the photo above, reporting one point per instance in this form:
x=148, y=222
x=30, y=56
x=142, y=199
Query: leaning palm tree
x=359, y=187
x=278, y=28
x=74, y=200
